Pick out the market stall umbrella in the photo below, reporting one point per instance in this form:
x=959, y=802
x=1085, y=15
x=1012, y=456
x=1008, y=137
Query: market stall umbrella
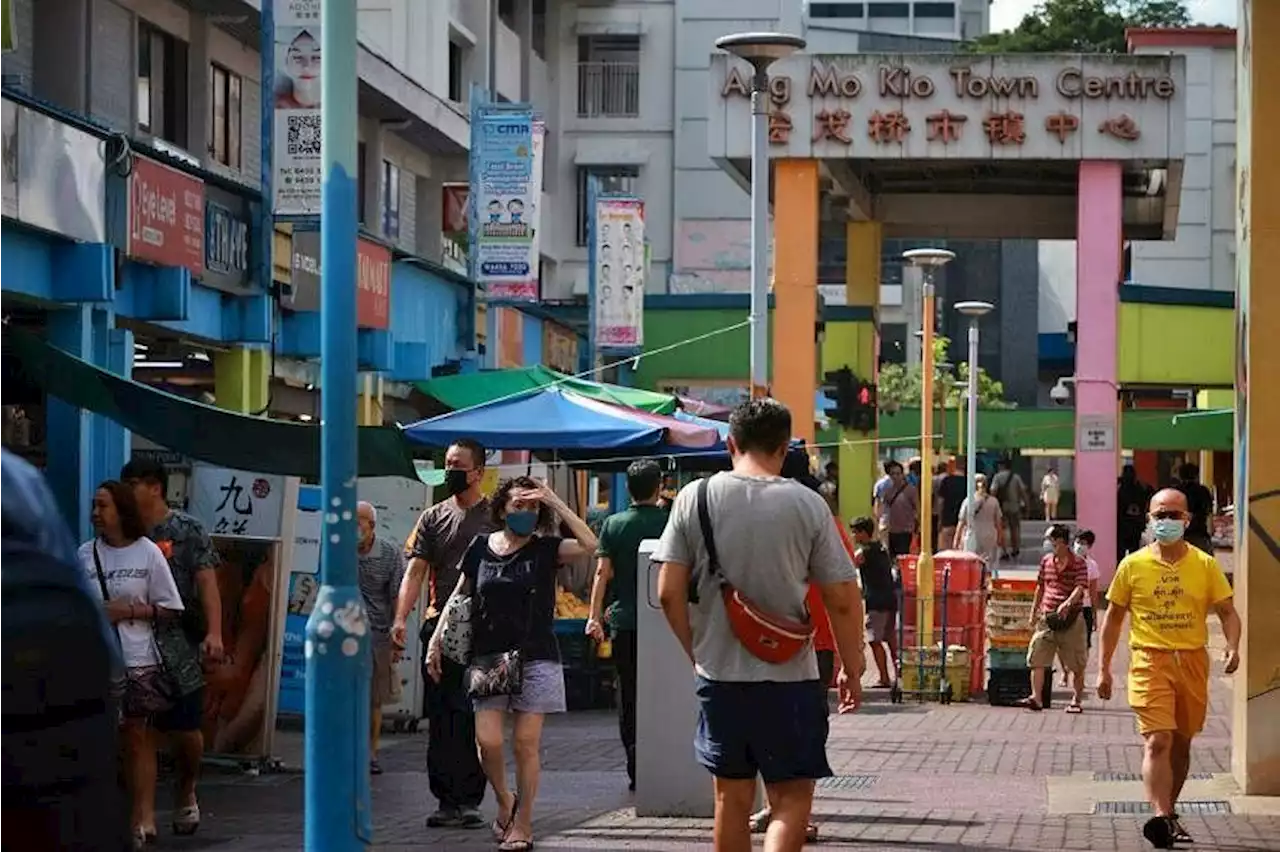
x=549, y=419
x=467, y=390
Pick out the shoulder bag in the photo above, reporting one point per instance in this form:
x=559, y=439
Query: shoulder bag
x=768, y=637
x=500, y=673
x=455, y=618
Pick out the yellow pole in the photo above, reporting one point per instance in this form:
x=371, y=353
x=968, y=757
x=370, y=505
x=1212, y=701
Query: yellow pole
x=924, y=567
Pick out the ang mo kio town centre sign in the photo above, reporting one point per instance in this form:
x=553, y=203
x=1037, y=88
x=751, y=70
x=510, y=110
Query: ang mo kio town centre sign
x=1032, y=107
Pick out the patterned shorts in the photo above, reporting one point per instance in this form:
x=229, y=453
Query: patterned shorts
x=542, y=691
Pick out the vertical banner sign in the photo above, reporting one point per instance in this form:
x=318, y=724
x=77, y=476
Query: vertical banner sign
x=619, y=258
x=295, y=143
x=504, y=195
x=304, y=585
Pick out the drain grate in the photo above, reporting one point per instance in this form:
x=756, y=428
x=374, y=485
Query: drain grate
x=847, y=782
x=1138, y=808
x=1134, y=776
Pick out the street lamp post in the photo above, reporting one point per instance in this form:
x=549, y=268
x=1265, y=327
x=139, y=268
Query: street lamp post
x=929, y=260
x=974, y=311
x=761, y=50
x=337, y=638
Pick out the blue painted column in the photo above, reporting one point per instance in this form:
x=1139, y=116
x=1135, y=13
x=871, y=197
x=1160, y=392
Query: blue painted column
x=337, y=645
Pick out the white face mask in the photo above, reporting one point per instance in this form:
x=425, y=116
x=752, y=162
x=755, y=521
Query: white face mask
x=1046, y=546
x=1081, y=549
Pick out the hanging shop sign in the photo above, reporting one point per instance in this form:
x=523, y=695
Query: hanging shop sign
x=226, y=241
x=504, y=193
x=237, y=502
x=295, y=143
x=559, y=348
x=453, y=200
x=166, y=216
x=618, y=263
x=373, y=278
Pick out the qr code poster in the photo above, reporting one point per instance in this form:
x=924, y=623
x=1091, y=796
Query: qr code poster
x=296, y=97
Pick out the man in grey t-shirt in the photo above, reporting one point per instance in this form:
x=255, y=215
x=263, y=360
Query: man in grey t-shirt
x=774, y=537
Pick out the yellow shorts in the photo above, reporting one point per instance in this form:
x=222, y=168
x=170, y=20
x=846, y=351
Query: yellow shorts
x=1169, y=690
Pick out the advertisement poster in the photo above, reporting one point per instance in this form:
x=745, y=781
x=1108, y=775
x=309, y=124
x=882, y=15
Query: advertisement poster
x=619, y=258
x=504, y=199
x=373, y=285
x=295, y=144
x=166, y=216
x=237, y=502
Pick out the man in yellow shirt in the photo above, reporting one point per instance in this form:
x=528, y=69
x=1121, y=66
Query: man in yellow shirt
x=1169, y=588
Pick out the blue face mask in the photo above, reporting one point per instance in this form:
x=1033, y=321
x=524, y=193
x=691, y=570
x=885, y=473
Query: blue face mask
x=522, y=522
x=1168, y=530
x=1047, y=546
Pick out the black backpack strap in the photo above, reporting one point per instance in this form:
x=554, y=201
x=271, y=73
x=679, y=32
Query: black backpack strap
x=704, y=521
x=102, y=580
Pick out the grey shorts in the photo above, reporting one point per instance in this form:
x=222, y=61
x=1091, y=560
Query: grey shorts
x=542, y=692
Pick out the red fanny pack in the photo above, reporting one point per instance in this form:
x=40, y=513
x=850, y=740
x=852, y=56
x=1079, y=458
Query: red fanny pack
x=767, y=637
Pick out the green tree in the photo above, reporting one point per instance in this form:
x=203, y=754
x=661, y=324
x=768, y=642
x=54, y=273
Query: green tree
x=899, y=386
x=1082, y=26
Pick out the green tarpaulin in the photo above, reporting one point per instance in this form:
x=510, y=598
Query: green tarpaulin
x=203, y=432
x=472, y=389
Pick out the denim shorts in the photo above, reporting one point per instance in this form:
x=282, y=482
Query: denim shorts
x=541, y=692
x=772, y=729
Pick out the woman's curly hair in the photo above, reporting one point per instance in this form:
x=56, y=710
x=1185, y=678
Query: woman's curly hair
x=498, y=502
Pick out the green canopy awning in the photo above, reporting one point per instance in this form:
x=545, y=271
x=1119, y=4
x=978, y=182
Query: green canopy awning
x=472, y=389
x=203, y=432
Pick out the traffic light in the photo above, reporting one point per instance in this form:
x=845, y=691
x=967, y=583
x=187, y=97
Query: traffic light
x=855, y=400
x=865, y=408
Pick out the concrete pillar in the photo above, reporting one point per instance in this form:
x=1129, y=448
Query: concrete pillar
x=90, y=448
x=795, y=290
x=1255, y=734
x=852, y=340
x=1099, y=261
x=241, y=379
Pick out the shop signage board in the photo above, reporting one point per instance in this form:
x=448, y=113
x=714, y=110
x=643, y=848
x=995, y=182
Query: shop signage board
x=295, y=144
x=1097, y=434
x=373, y=278
x=559, y=348
x=226, y=241
x=166, y=216
x=503, y=201
x=1004, y=107
x=618, y=261
x=237, y=503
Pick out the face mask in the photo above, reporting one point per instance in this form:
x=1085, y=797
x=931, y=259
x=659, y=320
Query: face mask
x=1081, y=549
x=456, y=481
x=522, y=522
x=1168, y=530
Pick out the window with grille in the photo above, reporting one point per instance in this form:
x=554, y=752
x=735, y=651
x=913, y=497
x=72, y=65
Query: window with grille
x=611, y=179
x=224, y=105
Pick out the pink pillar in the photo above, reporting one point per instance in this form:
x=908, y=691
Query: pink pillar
x=1099, y=261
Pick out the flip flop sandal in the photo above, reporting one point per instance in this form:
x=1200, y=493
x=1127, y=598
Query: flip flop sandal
x=1074, y=709
x=1180, y=834
x=186, y=820
x=759, y=823
x=811, y=833
x=1159, y=832
x=1031, y=704
x=501, y=830
x=516, y=846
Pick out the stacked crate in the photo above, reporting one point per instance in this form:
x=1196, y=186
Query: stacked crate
x=1008, y=622
x=959, y=596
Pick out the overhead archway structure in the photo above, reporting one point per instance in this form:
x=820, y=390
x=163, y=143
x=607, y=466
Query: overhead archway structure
x=936, y=147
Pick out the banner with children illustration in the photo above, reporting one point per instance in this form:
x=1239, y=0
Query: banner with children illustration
x=506, y=185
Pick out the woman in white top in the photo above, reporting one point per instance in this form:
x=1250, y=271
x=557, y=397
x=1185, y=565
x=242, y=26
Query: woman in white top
x=1050, y=491
x=986, y=524
x=131, y=576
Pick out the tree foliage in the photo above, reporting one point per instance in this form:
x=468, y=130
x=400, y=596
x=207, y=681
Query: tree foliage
x=1082, y=26
x=899, y=386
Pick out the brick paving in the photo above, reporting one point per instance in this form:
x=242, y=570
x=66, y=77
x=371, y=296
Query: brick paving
x=961, y=777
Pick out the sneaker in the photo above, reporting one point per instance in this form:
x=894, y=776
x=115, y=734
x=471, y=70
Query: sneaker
x=375, y=768
x=470, y=818
x=444, y=818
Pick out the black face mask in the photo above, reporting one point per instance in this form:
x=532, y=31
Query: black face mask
x=456, y=481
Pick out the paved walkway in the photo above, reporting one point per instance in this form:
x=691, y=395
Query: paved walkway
x=912, y=777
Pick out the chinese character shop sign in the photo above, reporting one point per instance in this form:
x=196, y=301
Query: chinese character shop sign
x=892, y=107
x=166, y=216
x=237, y=502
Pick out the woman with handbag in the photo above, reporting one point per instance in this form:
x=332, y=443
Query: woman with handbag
x=513, y=657
x=132, y=577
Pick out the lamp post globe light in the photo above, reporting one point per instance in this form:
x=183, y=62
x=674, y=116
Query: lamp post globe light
x=975, y=311
x=929, y=260
x=761, y=50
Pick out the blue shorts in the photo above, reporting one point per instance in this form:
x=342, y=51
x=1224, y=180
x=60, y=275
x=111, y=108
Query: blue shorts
x=772, y=729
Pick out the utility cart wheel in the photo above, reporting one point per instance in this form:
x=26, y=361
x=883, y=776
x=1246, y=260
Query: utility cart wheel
x=945, y=693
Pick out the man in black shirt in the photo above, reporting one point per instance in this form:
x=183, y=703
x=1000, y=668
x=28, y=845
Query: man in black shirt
x=950, y=494
x=1132, y=498
x=1199, y=504
x=880, y=590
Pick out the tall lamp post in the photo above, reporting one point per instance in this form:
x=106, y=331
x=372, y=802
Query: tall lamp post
x=761, y=50
x=974, y=311
x=337, y=645
x=930, y=260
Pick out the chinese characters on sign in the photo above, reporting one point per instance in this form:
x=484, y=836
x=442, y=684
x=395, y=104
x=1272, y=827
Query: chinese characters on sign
x=295, y=144
x=166, y=216
x=1000, y=127
x=237, y=502
x=620, y=258
x=373, y=285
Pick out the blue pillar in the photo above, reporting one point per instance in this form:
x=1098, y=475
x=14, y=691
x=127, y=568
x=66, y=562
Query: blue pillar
x=337, y=645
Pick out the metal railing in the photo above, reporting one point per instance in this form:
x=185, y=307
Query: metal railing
x=608, y=89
